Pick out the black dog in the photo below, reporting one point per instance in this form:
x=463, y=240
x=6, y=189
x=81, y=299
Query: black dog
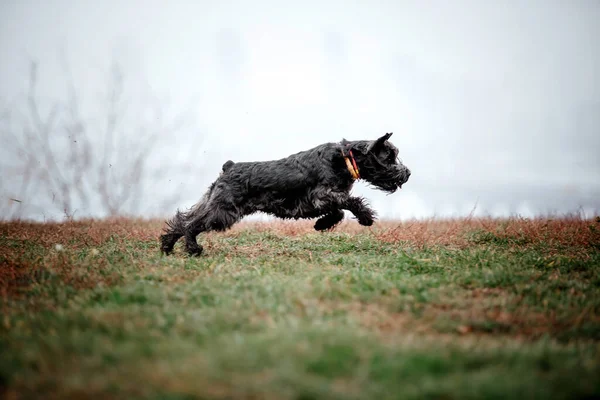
x=314, y=183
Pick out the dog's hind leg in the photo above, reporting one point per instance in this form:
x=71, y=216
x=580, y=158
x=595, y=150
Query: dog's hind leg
x=195, y=227
x=191, y=245
x=172, y=234
x=167, y=242
x=217, y=219
x=329, y=220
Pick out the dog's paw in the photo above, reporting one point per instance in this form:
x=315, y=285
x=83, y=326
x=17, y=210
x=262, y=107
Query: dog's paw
x=194, y=251
x=325, y=225
x=322, y=225
x=366, y=218
x=329, y=221
x=366, y=221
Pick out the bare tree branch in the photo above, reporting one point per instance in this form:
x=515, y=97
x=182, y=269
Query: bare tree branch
x=60, y=155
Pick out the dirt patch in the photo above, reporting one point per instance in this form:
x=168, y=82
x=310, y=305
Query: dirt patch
x=496, y=311
x=484, y=313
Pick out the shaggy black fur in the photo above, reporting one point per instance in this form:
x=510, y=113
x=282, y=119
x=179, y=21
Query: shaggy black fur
x=315, y=183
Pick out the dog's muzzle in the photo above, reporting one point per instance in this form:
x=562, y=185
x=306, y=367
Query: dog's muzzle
x=396, y=177
x=403, y=176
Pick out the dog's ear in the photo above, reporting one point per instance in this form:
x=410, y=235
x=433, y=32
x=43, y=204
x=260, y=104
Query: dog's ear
x=379, y=142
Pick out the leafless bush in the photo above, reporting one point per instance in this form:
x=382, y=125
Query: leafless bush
x=59, y=159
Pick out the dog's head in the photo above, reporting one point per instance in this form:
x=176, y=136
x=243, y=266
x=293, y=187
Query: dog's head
x=378, y=163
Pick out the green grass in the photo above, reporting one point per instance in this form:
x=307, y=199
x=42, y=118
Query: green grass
x=305, y=316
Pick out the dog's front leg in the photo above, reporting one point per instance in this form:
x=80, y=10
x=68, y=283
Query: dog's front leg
x=361, y=211
x=329, y=220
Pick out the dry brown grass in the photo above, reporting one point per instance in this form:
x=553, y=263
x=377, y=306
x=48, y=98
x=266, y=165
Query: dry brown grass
x=29, y=253
x=81, y=233
x=571, y=234
x=569, y=230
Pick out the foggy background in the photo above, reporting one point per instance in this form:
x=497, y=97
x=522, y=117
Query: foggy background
x=495, y=106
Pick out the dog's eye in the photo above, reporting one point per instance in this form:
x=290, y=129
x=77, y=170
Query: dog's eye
x=384, y=153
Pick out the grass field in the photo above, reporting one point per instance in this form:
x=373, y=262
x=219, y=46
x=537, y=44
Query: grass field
x=459, y=309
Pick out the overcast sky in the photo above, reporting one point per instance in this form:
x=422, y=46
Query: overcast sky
x=491, y=103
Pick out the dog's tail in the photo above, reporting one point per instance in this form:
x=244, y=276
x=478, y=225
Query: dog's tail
x=179, y=223
x=227, y=166
x=174, y=230
x=176, y=225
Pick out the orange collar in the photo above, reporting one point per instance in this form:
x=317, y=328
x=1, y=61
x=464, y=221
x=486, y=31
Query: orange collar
x=351, y=164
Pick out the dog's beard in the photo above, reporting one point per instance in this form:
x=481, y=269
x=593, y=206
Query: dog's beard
x=389, y=180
